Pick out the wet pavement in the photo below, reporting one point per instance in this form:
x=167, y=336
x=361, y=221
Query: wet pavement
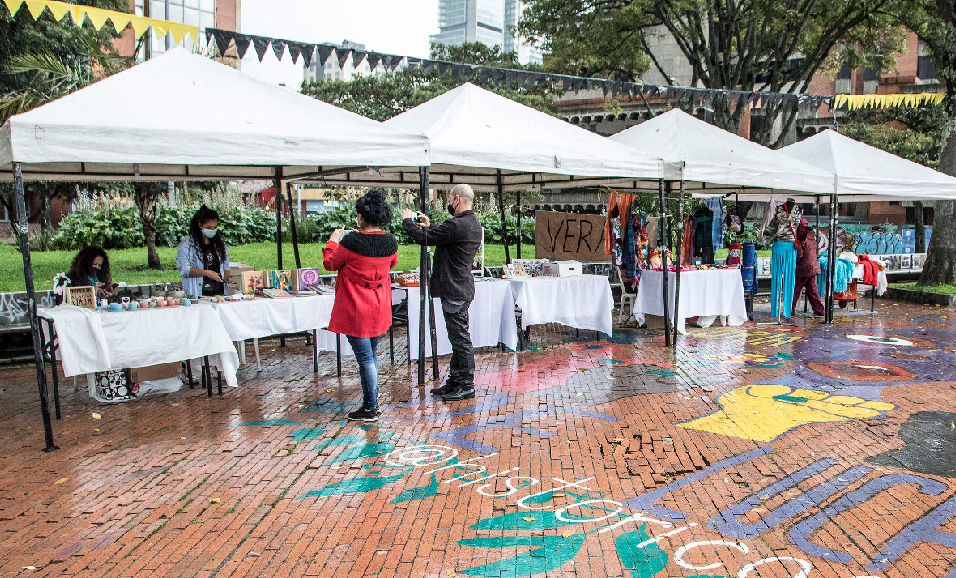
x=757, y=451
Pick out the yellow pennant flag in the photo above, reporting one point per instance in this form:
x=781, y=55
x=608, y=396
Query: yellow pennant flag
x=59, y=9
x=179, y=31
x=140, y=25
x=97, y=17
x=120, y=21
x=160, y=28
x=36, y=7
x=13, y=5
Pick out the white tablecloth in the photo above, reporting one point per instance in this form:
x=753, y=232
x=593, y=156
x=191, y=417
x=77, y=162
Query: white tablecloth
x=93, y=341
x=262, y=317
x=581, y=301
x=702, y=293
x=491, y=319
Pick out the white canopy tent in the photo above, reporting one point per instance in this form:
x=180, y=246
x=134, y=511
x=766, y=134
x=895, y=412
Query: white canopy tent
x=713, y=161
x=710, y=161
x=184, y=117
x=496, y=144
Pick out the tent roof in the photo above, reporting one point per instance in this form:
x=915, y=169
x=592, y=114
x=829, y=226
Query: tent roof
x=474, y=133
x=183, y=116
x=713, y=156
x=869, y=173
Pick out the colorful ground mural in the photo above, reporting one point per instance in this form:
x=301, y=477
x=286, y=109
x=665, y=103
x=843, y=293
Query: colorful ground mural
x=801, y=451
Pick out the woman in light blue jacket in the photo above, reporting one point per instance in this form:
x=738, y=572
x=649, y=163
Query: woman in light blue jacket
x=202, y=256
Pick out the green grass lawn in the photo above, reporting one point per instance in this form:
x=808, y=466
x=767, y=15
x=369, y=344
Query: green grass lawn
x=915, y=286
x=128, y=264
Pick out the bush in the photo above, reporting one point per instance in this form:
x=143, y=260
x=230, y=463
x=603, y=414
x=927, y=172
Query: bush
x=492, y=224
x=112, y=228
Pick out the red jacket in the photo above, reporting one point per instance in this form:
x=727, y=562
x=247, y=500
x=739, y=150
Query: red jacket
x=363, y=291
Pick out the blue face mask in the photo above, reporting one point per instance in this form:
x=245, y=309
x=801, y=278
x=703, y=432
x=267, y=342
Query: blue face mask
x=210, y=233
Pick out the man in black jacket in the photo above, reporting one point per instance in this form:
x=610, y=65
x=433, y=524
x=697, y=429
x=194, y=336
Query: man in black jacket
x=457, y=241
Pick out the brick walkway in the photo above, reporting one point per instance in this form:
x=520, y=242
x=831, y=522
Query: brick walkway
x=762, y=451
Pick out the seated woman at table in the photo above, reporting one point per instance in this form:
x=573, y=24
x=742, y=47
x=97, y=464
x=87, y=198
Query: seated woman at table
x=363, y=291
x=202, y=256
x=91, y=268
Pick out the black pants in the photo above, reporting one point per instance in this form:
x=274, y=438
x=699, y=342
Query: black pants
x=462, y=367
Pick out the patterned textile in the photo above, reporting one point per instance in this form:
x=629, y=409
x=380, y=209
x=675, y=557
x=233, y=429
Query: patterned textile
x=716, y=204
x=783, y=267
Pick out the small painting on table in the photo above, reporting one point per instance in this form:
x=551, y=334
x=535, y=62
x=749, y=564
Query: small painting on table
x=307, y=278
x=253, y=282
x=282, y=279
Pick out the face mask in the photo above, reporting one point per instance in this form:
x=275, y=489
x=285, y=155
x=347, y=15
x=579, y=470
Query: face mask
x=209, y=233
x=451, y=209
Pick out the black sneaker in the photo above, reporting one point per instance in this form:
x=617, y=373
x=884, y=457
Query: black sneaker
x=459, y=393
x=363, y=414
x=449, y=387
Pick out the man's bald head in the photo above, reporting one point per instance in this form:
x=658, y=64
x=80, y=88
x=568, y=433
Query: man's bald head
x=465, y=196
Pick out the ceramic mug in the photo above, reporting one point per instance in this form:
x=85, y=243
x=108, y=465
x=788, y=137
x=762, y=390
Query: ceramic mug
x=124, y=301
x=186, y=302
x=115, y=307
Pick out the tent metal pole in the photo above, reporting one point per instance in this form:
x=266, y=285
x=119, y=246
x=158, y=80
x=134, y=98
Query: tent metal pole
x=677, y=252
x=295, y=237
x=423, y=275
x=32, y=307
x=663, y=249
x=518, y=232
x=501, y=211
x=277, y=184
x=831, y=256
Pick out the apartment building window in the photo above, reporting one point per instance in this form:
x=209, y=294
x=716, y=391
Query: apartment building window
x=925, y=67
x=201, y=13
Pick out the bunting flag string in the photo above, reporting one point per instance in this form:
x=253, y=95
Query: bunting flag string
x=516, y=79
x=855, y=101
x=97, y=17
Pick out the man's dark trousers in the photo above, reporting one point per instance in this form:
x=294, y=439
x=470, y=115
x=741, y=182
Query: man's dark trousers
x=462, y=366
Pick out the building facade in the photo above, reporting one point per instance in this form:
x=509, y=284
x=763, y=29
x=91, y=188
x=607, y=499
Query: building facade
x=224, y=14
x=333, y=69
x=490, y=22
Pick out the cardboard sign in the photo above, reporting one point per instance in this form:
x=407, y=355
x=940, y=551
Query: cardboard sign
x=569, y=236
x=81, y=297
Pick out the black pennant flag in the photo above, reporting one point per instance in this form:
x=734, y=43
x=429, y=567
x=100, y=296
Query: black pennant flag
x=209, y=35
x=357, y=58
x=294, y=49
x=278, y=46
x=342, y=54
x=324, y=52
x=373, y=59
x=443, y=68
x=242, y=44
x=222, y=40
x=261, y=44
x=306, y=51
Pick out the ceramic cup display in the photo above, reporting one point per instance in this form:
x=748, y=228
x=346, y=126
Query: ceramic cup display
x=115, y=307
x=186, y=302
x=124, y=301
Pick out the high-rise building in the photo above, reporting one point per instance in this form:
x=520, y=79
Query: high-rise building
x=485, y=21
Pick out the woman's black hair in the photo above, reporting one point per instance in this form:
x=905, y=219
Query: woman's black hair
x=373, y=208
x=83, y=262
x=204, y=215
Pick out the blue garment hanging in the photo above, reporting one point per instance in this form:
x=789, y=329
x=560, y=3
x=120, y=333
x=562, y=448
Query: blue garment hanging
x=716, y=204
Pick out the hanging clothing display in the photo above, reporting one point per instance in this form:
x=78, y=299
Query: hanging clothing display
x=704, y=235
x=687, y=247
x=629, y=250
x=716, y=205
x=782, y=229
x=652, y=231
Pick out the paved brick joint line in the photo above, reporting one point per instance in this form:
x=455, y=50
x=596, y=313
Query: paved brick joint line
x=811, y=451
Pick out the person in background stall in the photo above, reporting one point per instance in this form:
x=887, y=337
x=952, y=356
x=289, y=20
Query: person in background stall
x=202, y=257
x=808, y=267
x=91, y=268
x=363, y=290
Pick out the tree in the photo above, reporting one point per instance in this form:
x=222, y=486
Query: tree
x=935, y=22
x=382, y=97
x=146, y=195
x=729, y=44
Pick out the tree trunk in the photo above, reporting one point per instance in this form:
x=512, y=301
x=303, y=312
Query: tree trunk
x=920, y=227
x=146, y=195
x=940, y=265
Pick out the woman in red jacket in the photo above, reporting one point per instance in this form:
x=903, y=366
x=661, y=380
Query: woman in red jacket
x=363, y=291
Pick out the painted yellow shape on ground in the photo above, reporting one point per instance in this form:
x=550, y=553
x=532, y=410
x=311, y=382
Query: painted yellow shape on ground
x=765, y=412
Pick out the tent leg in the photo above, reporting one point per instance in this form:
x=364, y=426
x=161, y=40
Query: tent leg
x=432, y=332
x=295, y=237
x=501, y=211
x=32, y=307
x=423, y=276
x=518, y=232
x=277, y=183
x=831, y=258
x=663, y=248
x=677, y=251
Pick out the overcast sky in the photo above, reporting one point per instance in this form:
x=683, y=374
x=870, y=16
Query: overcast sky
x=390, y=26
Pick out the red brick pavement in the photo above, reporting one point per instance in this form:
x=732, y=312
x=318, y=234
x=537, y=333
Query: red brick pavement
x=581, y=458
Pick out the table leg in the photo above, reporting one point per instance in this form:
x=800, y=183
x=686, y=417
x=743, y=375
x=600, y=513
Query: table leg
x=219, y=382
x=208, y=376
x=255, y=347
x=315, y=351
x=56, y=379
x=189, y=373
